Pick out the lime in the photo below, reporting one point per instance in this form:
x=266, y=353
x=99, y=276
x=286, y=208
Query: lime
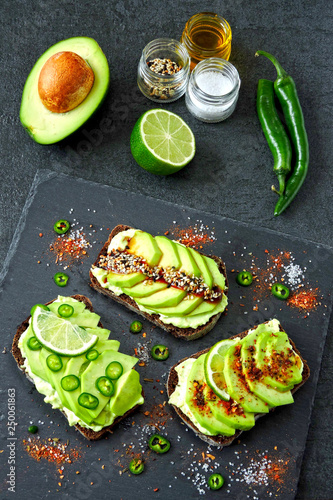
x=161, y=142
x=59, y=335
x=214, y=366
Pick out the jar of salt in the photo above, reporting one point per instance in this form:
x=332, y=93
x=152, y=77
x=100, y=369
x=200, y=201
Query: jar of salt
x=213, y=90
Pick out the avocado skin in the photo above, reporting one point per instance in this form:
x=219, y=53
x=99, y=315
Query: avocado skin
x=45, y=127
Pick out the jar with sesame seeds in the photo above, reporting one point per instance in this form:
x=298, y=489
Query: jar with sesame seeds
x=163, y=70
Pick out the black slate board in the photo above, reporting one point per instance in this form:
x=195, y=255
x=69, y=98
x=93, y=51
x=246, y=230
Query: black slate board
x=280, y=437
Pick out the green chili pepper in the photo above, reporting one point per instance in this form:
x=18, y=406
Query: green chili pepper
x=61, y=226
x=285, y=90
x=61, y=279
x=274, y=132
x=136, y=466
x=114, y=370
x=65, y=310
x=70, y=382
x=215, y=481
x=244, y=278
x=160, y=352
x=280, y=291
x=136, y=327
x=33, y=344
x=92, y=354
x=54, y=362
x=105, y=386
x=159, y=444
x=33, y=429
x=88, y=401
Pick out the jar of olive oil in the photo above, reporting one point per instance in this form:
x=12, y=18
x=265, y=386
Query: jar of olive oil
x=207, y=35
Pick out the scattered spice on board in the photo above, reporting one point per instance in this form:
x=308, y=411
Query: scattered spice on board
x=70, y=247
x=51, y=450
x=195, y=235
x=304, y=299
x=281, y=266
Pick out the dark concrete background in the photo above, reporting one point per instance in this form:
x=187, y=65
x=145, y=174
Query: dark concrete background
x=231, y=173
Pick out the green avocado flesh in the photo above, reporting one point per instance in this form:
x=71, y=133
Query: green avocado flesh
x=236, y=371
x=46, y=127
x=152, y=293
x=127, y=389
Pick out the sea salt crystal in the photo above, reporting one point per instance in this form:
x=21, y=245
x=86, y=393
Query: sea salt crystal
x=214, y=83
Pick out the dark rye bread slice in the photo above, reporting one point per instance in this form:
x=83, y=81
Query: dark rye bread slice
x=183, y=333
x=87, y=433
x=224, y=440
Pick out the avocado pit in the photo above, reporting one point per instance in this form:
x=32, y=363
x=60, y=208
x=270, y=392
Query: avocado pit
x=64, y=82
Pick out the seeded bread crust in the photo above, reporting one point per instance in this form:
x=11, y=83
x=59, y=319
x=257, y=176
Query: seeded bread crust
x=183, y=333
x=87, y=433
x=222, y=441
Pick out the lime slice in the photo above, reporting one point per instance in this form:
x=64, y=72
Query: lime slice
x=161, y=142
x=59, y=335
x=214, y=366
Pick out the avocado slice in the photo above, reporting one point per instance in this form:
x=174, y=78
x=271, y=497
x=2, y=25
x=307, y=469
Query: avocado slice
x=170, y=256
x=97, y=369
x=201, y=404
x=125, y=280
x=203, y=266
x=33, y=356
x=145, y=288
x=144, y=245
x=257, y=385
x=46, y=127
x=165, y=298
x=237, y=385
x=271, y=350
x=54, y=378
x=188, y=264
x=127, y=393
x=76, y=366
x=203, y=308
x=184, y=307
x=218, y=278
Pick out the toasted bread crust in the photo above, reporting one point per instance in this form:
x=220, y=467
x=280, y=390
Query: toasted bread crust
x=87, y=433
x=183, y=333
x=224, y=440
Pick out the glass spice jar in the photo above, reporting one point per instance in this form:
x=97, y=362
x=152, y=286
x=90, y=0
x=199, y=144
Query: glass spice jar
x=207, y=35
x=163, y=70
x=213, y=90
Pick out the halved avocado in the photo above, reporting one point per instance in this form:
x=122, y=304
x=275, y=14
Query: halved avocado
x=170, y=257
x=47, y=127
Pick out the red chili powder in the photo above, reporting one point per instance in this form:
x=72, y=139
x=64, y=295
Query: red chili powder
x=70, y=247
x=193, y=236
x=50, y=451
x=304, y=300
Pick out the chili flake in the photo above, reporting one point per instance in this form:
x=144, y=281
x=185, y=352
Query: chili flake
x=70, y=247
x=50, y=450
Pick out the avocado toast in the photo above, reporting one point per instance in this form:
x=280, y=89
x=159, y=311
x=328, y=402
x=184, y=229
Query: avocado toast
x=173, y=286
x=221, y=391
x=94, y=389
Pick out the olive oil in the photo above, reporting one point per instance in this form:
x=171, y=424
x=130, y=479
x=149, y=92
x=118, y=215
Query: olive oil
x=207, y=35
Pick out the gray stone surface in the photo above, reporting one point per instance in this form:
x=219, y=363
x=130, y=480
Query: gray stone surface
x=232, y=170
